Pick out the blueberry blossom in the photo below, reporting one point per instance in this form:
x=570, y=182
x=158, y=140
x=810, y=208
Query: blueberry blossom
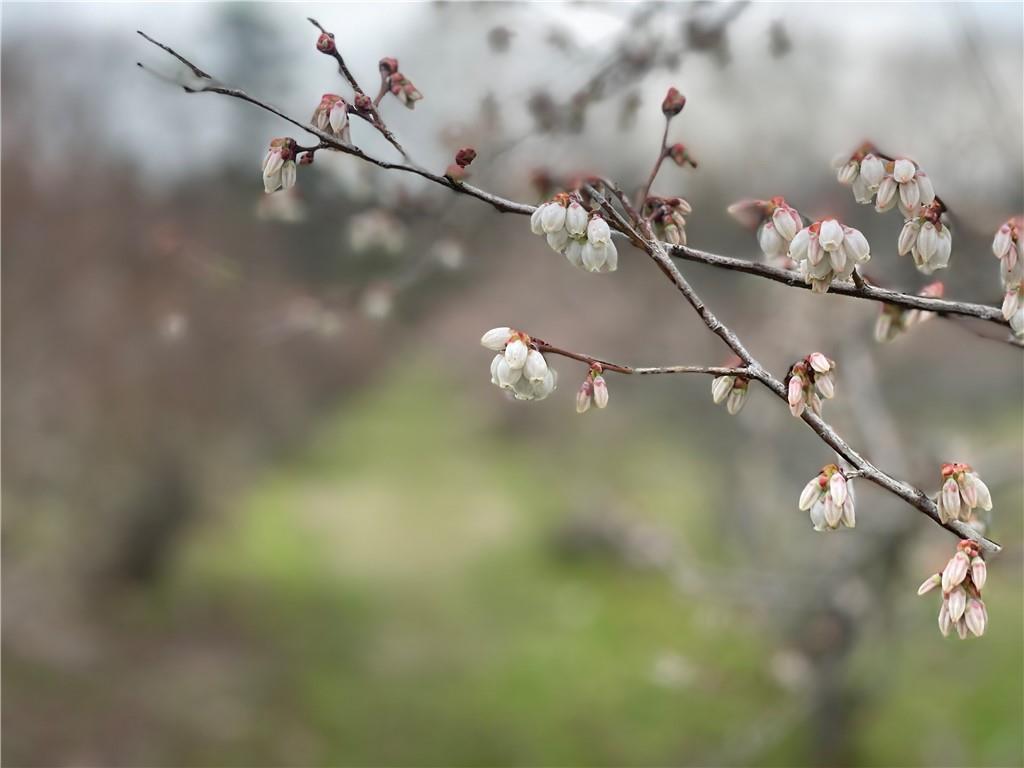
x=776, y=222
x=519, y=366
x=927, y=239
x=828, y=497
x=962, y=492
x=961, y=580
x=584, y=238
x=827, y=251
x=279, y=169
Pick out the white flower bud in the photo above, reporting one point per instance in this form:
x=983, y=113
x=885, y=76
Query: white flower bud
x=574, y=252
x=957, y=603
x=584, y=395
x=830, y=236
x=494, y=369
x=516, y=353
x=886, y=198
x=976, y=617
x=872, y=170
x=979, y=572
x=908, y=236
x=558, y=240
x=910, y=195
x=949, y=501
x=819, y=362
x=848, y=173
x=506, y=375
x=833, y=512
x=826, y=385
x=536, y=225
x=927, y=240
x=798, y=246
x=787, y=223
x=961, y=628
x=818, y=515
x=862, y=191
x=955, y=571
x=944, y=621
x=496, y=338
x=929, y=584
x=837, y=489
x=968, y=491
x=1017, y=322
x=598, y=231
x=984, y=496
x=737, y=398
x=849, y=515
x=1011, y=301
x=593, y=256
x=1002, y=242
x=815, y=252
x=903, y=170
x=811, y=493
x=576, y=219
x=536, y=367
x=600, y=392
x=924, y=186
x=611, y=256
x=720, y=388
x=884, y=328
x=544, y=388
x=856, y=245
x=795, y=392
x=772, y=244
x=553, y=218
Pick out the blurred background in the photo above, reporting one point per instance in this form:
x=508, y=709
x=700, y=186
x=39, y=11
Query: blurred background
x=263, y=507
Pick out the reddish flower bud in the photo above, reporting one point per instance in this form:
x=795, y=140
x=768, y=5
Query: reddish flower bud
x=363, y=102
x=673, y=103
x=465, y=156
x=306, y=158
x=680, y=156
x=325, y=43
x=388, y=66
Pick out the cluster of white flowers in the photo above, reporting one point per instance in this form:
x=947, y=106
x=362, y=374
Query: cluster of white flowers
x=829, y=499
x=961, y=580
x=927, y=239
x=584, y=238
x=828, y=250
x=905, y=185
x=962, y=492
x=731, y=390
x=519, y=367
x=279, y=168
x=894, y=320
x=863, y=171
x=594, y=389
x=1009, y=250
x=331, y=115
x=668, y=215
x=776, y=222
x=809, y=378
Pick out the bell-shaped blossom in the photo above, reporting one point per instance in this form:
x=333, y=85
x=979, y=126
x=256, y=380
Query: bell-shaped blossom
x=1007, y=247
x=863, y=171
x=593, y=390
x=905, y=185
x=279, y=168
x=828, y=497
x=927, y=239
x=519, y=367
x=962, y=580
x=962, y=492
x=776, y=222
x=808, y=381
x=331, y=115
x=584, y=238
x=827, y=251
x=731, y=390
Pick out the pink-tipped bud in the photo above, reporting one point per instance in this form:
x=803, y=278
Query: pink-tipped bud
x=955, y=572
x=979, y=572
x=945, y=623
x=325, y=43
x=455, y=172
x=819, y=362
x=837, y=489
x=584, y=395
x=363, y=102
x=796, y=391
x=600, y=392
x=949, y=501
x=929, y=584
x=673, y=103
x=388, y=66
x=976, y=617
x=957, y=603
